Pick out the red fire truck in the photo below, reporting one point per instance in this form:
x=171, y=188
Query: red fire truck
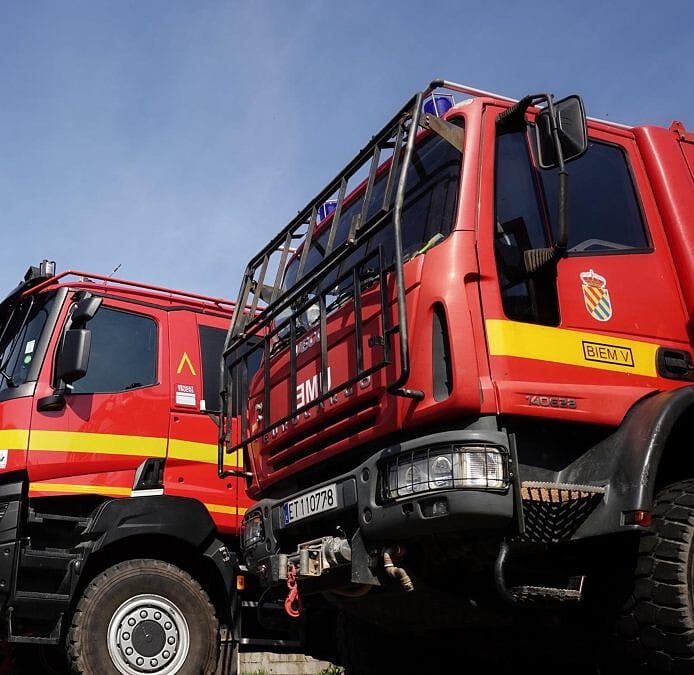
x=466, y=383
x=118, y=538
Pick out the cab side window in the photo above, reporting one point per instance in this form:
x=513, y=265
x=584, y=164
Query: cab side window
x=604, y=219
x=605, y=216
x=211, y=346
x=123, y=353
x=520, y=224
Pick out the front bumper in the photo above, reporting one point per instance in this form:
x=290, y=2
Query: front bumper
x=367, y=521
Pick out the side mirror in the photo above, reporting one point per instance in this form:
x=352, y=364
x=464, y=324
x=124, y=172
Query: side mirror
x=570, y=118
x=85, y=310
x=74, y=355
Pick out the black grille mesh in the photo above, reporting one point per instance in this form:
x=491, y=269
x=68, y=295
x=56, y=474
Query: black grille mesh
x=550, y=522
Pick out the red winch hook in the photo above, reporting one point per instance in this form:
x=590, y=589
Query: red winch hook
x=292, y=605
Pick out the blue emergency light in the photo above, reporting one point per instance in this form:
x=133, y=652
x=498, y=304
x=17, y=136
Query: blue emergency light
x=438, y=104
x=326, y=208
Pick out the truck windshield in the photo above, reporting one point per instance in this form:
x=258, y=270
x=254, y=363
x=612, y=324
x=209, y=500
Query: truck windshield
x=21, y=323
x=429, y=210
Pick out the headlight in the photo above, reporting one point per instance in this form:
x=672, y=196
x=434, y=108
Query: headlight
x=472, y=467
x=252, y=529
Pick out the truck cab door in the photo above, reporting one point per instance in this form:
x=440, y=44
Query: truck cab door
x=115, y=417
x=196, y=342
x=579, y=340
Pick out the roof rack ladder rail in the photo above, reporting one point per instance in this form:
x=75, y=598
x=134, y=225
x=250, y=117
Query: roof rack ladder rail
x=336, y=216
x=231, y=398
x=292, y=366
x=373, y=169
x=397, y=387
x=258, y=290
x=243, y=394
x=358, y=332
x=239, y=317
x=393, y=169
x=324, y=377
x=307, y=242
x=386, y=328
x=281, y=268
x=266, y=381
x=236, y=327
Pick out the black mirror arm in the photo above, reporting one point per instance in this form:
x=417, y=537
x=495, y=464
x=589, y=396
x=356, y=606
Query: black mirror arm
x=516, y=113
x=537, y=258
x=563, y=215
x=54, y=402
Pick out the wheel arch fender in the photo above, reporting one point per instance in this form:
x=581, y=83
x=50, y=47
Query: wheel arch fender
x=129, y=527
x=641, y=442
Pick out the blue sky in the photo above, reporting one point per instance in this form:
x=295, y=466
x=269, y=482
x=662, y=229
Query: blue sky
x=175, y=138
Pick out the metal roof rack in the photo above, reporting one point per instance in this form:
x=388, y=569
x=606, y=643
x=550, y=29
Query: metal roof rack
x=151, y=290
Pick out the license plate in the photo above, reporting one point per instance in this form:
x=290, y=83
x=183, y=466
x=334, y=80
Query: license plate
x=317, y=501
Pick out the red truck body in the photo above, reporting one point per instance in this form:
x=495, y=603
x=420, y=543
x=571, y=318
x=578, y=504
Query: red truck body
x=429, y=391
x=95, y=445
x=109, y=391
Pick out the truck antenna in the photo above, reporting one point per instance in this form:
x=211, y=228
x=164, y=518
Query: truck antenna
x=115, y=269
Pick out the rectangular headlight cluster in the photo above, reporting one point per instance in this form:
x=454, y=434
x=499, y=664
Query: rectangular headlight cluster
x=451, y=467
x=252, y=529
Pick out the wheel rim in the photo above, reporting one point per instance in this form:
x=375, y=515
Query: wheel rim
x=148, y=634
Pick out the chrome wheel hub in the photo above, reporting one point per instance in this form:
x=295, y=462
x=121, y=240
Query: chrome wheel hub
x=148, y=634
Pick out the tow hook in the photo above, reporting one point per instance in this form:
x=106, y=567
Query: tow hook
x=396, y=573
x=292, y=605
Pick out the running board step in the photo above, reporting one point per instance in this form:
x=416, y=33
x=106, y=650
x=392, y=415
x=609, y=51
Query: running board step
x=38, y=597
x=540, y=595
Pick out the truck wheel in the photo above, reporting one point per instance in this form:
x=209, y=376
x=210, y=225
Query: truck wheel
x=143, y=617
x=656, y=628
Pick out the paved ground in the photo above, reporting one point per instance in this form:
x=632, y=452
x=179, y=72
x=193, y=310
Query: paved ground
x=281, y=664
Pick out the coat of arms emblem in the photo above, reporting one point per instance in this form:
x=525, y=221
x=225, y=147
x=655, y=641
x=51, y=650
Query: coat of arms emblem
x=596, y=295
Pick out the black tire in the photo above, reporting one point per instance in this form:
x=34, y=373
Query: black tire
x=161, y=605
x=655, y=631
x=367, y=649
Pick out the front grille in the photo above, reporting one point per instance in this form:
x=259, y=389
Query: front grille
x=553, y=512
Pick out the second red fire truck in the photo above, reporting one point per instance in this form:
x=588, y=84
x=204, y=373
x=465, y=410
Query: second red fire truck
x=117, y=539
x=465, y=385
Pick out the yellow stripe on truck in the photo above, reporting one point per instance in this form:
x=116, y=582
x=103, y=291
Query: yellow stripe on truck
x=16, y=439
x=72, y=488
x=571, y=347
x=80, y=489
x=230, y=510
x=201, y=452
x=109, y=444
x=116, y=444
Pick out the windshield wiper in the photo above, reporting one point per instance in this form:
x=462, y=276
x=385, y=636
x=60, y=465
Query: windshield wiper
x=12, y=344
x=8, y=378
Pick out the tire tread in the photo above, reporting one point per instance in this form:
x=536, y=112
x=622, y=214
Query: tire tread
x=77, y=634
x=656, y=628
